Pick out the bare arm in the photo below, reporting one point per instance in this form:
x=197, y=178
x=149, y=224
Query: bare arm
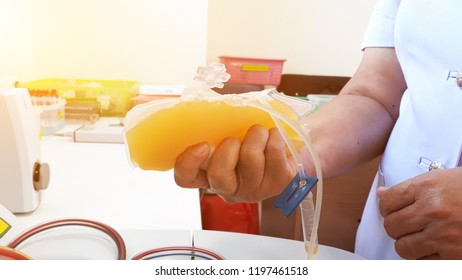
x=345, y=132
x=355, y=126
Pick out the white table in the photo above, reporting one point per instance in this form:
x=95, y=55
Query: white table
x=72, y=243
x=95, y=181
x=239, y=246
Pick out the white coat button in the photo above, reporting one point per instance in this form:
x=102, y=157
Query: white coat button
x=459, y=79
x=436, y=165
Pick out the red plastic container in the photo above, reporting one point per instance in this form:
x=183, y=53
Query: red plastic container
x=238, y=217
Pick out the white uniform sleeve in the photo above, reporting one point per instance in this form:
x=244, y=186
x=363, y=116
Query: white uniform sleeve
x=381, y=29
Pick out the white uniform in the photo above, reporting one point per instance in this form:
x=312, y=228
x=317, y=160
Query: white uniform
x=427, y=36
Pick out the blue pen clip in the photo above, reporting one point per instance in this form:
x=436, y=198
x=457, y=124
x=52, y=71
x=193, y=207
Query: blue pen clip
x=294, y=193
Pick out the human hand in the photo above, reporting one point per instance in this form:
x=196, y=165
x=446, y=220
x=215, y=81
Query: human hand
x=251, y=170
x=424, y=215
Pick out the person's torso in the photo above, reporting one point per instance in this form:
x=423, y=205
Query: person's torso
x=428, y=42
x=429, y=48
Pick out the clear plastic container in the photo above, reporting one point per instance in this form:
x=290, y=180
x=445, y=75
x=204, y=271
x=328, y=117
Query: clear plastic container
x=51, y=112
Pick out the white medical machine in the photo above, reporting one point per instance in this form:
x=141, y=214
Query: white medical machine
x=22, y=174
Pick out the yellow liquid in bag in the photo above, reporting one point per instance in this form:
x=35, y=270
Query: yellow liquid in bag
x=155, y=142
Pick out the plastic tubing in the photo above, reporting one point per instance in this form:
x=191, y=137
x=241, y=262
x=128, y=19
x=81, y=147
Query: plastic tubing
x=276, y=116
x=176, y=250
x=74, y=222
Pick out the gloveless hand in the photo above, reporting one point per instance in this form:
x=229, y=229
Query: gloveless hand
x=251, y=170
x=424, y=215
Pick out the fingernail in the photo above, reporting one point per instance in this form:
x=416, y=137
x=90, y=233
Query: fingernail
x=380, y=190
x=200, y=149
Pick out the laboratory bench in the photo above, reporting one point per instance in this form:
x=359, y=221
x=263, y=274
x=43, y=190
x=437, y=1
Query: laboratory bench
x=95, y=181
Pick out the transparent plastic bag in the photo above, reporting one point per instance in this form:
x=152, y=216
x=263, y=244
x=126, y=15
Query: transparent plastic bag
x=158, y=131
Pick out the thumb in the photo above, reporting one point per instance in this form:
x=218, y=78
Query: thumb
x=380, y=191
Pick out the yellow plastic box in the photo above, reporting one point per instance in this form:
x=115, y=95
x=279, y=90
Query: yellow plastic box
x=115, y=96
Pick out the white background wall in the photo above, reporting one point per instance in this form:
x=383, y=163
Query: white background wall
x=15, y=39
x=163, y=42
x=153, y=41
x=315, y=36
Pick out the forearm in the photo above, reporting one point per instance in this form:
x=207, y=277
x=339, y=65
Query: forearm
x=356, y=133
x=355, y=126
